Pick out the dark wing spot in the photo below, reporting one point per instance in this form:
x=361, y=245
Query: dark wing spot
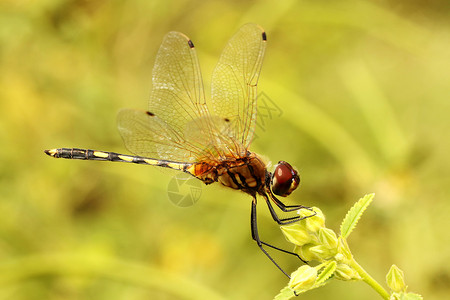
x=191, y=44
x=150, y=113
x=264, y=37
x=226, y=120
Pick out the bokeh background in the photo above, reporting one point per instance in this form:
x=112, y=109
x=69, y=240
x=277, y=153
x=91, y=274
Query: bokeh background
x=362, y=91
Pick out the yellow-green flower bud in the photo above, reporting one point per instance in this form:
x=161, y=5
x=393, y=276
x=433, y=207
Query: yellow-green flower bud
x=303, y=278
x=339, y=258
x=313, y=223
x=395, y=279
x=344, y=272
x=328, y=238
x=322, y=252
x=296, y=234
x=305, y=253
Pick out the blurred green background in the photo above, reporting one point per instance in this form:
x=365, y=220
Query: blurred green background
x=363, y=87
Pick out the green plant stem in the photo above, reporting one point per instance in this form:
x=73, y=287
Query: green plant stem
x=368, y=279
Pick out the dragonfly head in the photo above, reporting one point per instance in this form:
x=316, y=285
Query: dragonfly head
x=285, y=179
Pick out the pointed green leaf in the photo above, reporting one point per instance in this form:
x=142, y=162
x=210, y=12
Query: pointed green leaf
x=354, y=214
x=326, y=273
x=412, y=296
x=285, y=294
x=405, y=296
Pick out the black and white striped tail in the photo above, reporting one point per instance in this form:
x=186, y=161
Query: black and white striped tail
x=87, y=154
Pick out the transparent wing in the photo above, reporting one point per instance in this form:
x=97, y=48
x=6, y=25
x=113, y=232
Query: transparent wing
x=177, y=95
x=148, y=135
x=234, y=82
x=178, y=125
x=177, y=100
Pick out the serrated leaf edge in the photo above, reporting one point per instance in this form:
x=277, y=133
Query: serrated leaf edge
x=326, y=273
x=354, y=214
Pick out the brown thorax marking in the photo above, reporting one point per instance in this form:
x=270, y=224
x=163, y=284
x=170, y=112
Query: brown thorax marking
x=244, y=173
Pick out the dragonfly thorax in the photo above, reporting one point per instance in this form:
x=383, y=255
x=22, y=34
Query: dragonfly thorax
x=246, y=173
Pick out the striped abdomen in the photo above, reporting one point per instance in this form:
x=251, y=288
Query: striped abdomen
x=246, y=173
x=87, y=154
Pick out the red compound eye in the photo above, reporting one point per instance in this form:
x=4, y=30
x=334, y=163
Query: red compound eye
x=284, y=179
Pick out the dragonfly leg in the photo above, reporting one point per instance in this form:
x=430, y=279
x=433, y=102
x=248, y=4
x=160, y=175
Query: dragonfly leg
x=276, y=218
x=283, y=221
x=284, y=207
x=284, y=251
x=255, y=236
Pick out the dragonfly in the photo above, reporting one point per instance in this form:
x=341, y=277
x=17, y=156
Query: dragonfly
x=206, y=138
